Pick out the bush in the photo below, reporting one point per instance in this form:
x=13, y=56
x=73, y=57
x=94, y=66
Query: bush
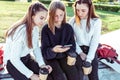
x=29, y=0
x=70, y=4
x=45, y=1
x=105, y=7
x=102, y=0
x=116, y=3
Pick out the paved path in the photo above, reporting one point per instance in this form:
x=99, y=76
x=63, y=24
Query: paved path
x=112, y=39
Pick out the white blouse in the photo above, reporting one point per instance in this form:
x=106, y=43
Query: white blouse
x=16, y=47
x=83, y=37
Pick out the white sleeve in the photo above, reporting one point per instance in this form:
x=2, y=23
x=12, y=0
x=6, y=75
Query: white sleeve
x=6, y=51
x=94, y=40
x=15, y=59
x=16, y=50
x=36, y=48
x=78, y=49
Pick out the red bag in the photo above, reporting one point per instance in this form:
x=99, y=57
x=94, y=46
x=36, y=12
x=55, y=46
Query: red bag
x=1, y=58
x=107, y=52
x=1, y=55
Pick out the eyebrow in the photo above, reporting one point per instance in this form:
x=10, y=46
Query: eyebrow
x=81, y=9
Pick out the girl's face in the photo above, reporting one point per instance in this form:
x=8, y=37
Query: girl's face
x=59, y=16
x=39, y=18
x=82, y=10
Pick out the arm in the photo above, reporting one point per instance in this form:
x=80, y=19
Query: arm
x=16, y=50
x=6, y=51
x=45, y=45
x=72, y=23
x=36, y=48
x=94, y=40
x=71, y=52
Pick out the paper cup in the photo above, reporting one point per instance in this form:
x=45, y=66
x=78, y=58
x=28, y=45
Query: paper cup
x=43, y=76
x=87, y=70
x=71, y=61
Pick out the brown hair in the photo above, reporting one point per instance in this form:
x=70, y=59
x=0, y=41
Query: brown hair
x=27, y=19
x=91, y=13
x=54, y=5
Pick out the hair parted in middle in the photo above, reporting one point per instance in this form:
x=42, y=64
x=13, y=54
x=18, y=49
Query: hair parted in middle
x=54, y=5
x=91, y=13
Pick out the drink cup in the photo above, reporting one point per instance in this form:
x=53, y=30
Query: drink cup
x=43, y=74
x=87, y=67
x=87, y=70
x=71, y=60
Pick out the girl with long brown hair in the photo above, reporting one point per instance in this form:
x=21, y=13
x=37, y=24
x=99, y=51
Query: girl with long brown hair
x=87, y=30
x=58, y=44
x=22, y=39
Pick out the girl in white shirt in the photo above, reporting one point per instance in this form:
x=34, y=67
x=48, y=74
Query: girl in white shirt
x=87, y=30
x=21, y=40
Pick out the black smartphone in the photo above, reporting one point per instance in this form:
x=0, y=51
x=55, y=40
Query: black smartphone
x=69, y=45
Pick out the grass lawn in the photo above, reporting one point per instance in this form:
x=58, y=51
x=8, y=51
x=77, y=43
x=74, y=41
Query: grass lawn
x=10, y=12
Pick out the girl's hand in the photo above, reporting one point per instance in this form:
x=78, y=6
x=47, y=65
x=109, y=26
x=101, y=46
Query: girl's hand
x=47, y=67
x=60, y=49
x=43, y=76
x=83, y=56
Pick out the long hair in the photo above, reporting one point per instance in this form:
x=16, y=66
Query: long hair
x=27, y=19
x=54, y=5
x=91, y=12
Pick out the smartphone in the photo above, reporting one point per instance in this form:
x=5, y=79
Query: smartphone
x=69, y=45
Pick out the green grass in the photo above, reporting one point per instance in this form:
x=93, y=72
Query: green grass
x=111, y=21
x=10, y=12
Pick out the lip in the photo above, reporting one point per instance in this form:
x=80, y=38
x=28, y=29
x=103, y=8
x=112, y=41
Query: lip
x=81, y=16
x=40, y=24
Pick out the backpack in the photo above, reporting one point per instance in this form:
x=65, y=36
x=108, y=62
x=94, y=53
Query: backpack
x=107, y=52
x=1, y=58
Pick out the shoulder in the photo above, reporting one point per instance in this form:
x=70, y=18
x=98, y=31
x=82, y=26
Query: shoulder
x=19, y=33
x=97, y=23
x=45, y=27
x=96, y=20
x=21, y=29
x=72, y=20
x=67, y=27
